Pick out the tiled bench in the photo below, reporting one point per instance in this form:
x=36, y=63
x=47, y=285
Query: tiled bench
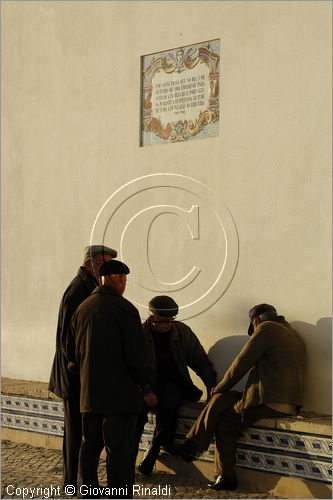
x=289, y=457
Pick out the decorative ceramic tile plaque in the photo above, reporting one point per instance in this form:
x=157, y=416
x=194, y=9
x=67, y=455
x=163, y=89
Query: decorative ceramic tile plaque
x=180, y=94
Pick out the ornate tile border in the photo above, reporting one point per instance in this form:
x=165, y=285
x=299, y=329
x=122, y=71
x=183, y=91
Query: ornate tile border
x=32, y=414
x=22, y=404
x=32, y=424
x=180, y=94
x=290, y=441
x=287, y=453
x=286, y=465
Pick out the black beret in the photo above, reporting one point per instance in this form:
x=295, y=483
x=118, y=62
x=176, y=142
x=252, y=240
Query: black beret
x=113, y=267
x=163, y=306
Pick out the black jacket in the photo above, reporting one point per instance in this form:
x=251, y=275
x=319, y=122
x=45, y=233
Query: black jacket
x=108, y=350
x=62, y=382
x=187, y=352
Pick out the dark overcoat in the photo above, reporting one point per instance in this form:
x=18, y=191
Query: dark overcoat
x=108, y=350
x=63, y=383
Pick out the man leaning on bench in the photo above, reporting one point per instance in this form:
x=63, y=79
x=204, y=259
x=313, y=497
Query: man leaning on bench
x=152, y=367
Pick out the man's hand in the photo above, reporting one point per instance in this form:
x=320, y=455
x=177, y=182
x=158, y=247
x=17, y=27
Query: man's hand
x=150, y=399
x=72, y=368
x=213, y=391
x=208, y=389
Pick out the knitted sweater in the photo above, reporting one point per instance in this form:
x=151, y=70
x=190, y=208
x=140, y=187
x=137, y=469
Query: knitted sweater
x=275, y=355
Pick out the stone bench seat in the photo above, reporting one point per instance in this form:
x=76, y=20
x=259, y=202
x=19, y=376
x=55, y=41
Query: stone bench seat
x=288, y=457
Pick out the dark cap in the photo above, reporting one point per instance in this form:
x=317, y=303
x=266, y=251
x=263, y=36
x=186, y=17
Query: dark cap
x=163, y=306
x=91, y=251
x=258, y=311
x=113, y=267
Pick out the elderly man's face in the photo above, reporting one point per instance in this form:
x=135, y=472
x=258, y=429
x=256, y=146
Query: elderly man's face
x=161, y=323
x=97, y=262
x=100, y=259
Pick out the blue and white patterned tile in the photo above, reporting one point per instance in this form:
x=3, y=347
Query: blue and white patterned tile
x=288, y=453
x=32, y=423
x=318, y=446
x=304, y=468
x=21, y=404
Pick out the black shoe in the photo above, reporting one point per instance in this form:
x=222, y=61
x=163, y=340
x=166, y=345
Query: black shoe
x=186, y=451
x=146, y=466
x=169, y=449
x=223, y=483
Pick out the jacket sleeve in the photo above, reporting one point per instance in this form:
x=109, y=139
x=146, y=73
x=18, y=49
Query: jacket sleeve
x=253, y=350
x=69, y=349
x=198, y=360
x=149, y=360
x=68, y=307
x=135, y=348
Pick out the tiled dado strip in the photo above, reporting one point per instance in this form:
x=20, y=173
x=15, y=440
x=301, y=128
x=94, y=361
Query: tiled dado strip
x=31, y=414
x=289, y=453
x=284, y=452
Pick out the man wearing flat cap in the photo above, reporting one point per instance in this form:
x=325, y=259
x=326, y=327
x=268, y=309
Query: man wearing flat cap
x=108, y=350
x=62, y=383
x=173, y=348
x=275, y=358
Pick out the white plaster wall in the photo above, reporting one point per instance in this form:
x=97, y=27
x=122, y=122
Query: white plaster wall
x=70, y=138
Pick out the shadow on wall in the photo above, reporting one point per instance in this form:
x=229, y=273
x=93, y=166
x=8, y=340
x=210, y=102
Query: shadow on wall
x=318, y=381
x=222, y=354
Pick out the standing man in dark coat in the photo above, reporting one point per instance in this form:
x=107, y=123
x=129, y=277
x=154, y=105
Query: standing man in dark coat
x=62, y=383
x=107, y=348
x=173, y=347
x=275, y=356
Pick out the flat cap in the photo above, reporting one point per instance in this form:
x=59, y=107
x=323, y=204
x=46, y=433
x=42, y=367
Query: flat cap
x=163, y=306
x=91, y=251
x=260, y=309
x=257, y=311
x=113, y=267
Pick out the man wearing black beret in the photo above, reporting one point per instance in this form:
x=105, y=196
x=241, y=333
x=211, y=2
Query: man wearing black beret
x=173, y=348
x=275, y=355
x=107, y=348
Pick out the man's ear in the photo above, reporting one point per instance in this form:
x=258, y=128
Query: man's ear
x=268, y=316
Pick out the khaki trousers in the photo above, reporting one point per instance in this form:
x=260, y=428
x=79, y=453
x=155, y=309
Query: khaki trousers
x=219, y=418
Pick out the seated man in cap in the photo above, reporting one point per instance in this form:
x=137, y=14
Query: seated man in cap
x=275, y=356
x=173, y=348
x=62, y=383
x=107, y=349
